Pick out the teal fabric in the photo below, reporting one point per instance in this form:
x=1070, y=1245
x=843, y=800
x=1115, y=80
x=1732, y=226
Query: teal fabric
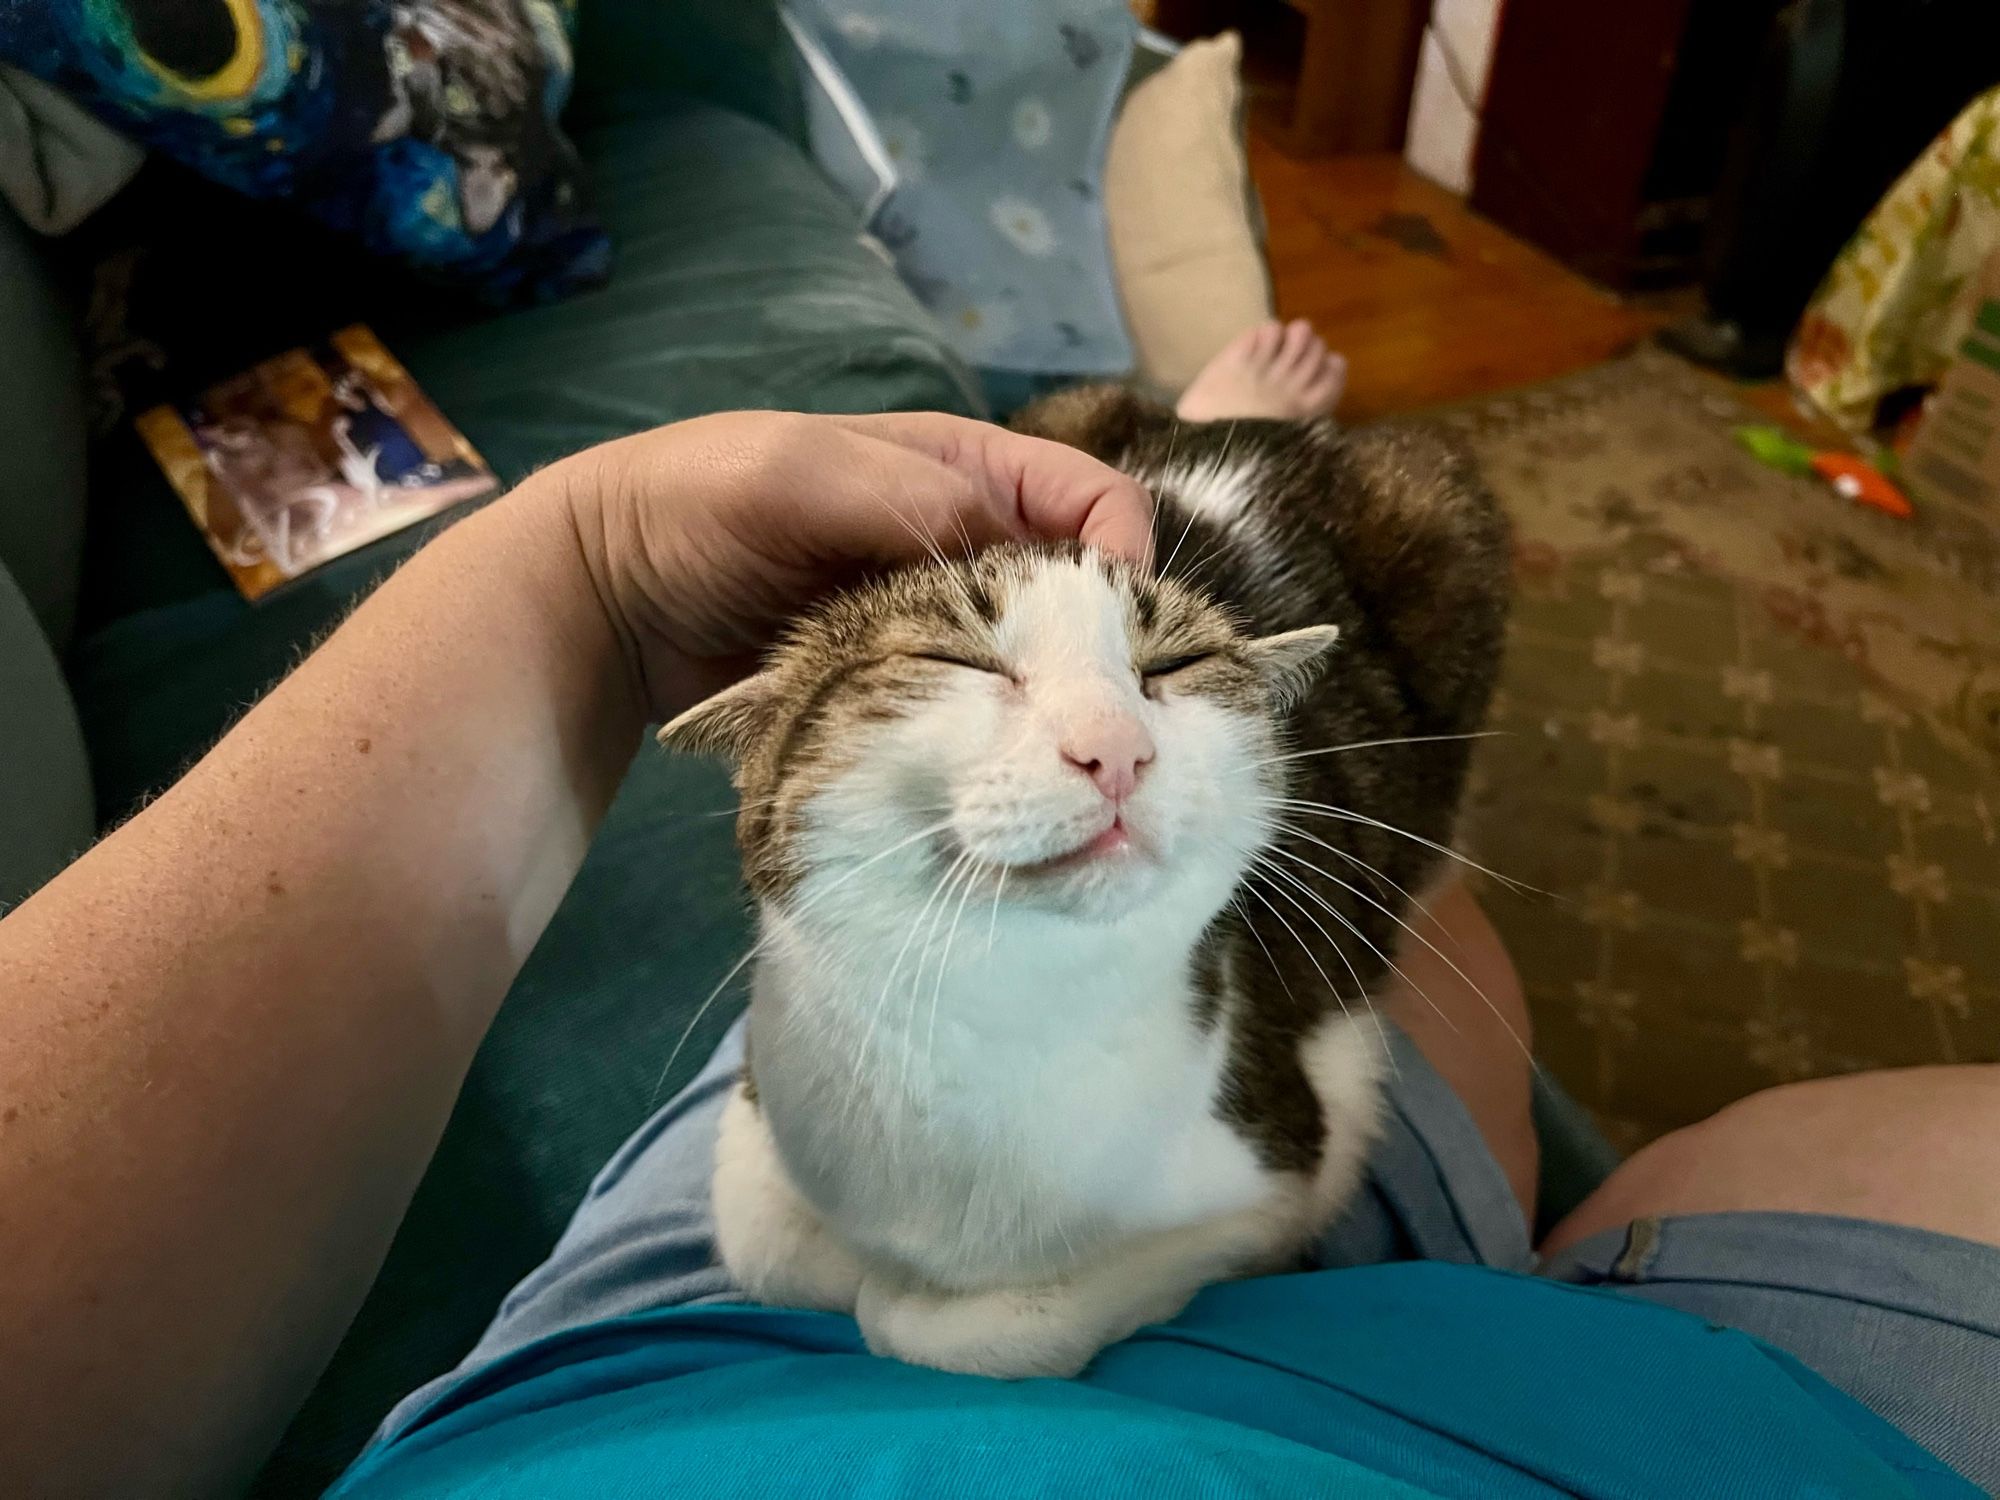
x=41, y=432
x=1385, y=1381
x=45, y=807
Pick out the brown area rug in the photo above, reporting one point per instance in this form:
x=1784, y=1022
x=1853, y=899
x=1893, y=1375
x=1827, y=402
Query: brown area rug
x=1751, y=745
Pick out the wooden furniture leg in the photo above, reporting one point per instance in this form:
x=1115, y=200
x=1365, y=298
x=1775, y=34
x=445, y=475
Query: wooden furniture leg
x=1356, y=76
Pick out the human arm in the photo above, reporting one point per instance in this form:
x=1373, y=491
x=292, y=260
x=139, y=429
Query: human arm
x=231, y=1033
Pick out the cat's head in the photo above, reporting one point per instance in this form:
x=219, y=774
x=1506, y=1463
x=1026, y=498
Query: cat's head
x=1056, y=730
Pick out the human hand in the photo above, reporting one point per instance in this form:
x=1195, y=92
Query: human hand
x=704, y=537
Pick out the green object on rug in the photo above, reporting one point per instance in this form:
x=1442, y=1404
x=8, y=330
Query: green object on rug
x=1776, y=447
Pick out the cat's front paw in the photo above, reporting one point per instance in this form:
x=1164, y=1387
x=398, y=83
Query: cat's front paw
x=1008, y=1334
x=772, y=1243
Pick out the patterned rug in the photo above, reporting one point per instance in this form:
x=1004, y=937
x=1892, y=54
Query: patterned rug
x=1751, y=748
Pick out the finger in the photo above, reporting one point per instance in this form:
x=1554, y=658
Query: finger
x=1057, y=491
x=884, y=499
x=1031, y=486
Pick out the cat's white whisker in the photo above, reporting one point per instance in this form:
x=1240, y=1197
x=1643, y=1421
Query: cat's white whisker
x=1367, y=1001
x=1342, y=918
x=866, y=1051
x=993, y=922
x=1408, y=739
x=930, y=545
x=757, y=946
x=1374, y=875
x=944, y=960
x=1381, y=1034
x=1166, y=568
x=1269, y=957
x=1192, y=569
x=1471, y=983
x=1193, y=514
x=942, y=898
x=1360, y=986
x=1348, y=815
x=695, y=1020
x=1284, y=826
x=1304, y=947
x=820, y=893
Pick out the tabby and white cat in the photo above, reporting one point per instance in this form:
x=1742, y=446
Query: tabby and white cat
x=1073, y=881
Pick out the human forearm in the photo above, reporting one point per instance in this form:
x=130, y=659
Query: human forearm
x=230, y=1035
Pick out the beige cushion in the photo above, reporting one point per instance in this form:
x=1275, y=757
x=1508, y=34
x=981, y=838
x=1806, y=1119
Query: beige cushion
x=1176, y=194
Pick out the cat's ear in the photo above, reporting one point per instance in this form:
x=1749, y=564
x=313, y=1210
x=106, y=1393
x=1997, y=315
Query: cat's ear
x=1291, y=661
x=725, y=724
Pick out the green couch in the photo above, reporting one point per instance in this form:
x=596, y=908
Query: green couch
x=741, y=280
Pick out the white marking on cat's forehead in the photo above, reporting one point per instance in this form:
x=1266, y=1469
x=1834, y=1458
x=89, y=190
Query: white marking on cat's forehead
x=1065, y=612
x=1218, y=489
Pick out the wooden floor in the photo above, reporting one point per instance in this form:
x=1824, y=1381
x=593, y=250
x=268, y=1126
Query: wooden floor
x=1429, y=301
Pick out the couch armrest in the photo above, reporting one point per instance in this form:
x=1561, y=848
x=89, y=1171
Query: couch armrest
x=632, y=56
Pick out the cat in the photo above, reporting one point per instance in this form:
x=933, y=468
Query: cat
x=1049, y=1024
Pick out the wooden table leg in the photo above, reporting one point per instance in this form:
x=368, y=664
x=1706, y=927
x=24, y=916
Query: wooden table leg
x=1356, y=76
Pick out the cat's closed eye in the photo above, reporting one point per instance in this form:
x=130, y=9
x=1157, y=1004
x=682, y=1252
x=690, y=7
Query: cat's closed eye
x=945, y=658
x=1166, y=666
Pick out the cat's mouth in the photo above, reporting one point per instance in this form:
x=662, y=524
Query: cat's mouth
x=1114, y=841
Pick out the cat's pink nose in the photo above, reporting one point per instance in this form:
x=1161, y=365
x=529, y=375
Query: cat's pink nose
x=1111, y=749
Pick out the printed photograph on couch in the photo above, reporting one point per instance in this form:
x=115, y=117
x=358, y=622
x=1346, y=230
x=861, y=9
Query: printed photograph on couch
x=310, y=455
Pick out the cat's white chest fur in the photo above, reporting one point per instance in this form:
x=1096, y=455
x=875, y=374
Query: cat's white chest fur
x=1035, y=1173
x=1014, y=1118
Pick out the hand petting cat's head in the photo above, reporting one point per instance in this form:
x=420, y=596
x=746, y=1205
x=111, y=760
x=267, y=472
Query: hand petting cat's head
x=1051, y=729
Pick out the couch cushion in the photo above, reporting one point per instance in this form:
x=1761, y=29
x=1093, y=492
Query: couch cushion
x=41, y=432
x=45, y=812
x=633, y=56
x=741, y=282
x=1183, y=215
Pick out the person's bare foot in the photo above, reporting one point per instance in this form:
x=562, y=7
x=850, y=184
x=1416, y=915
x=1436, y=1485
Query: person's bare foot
x=1281, y=370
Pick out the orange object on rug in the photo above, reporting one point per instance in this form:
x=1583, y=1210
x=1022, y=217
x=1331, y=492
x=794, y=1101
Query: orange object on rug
x=1863, y=483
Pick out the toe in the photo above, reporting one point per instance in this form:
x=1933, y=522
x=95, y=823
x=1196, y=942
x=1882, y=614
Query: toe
x=1299, y=341
x=1263, y=342
x=1322, y=390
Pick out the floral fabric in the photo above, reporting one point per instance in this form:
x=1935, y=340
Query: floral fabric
x=1892, y=311
x=990, y=123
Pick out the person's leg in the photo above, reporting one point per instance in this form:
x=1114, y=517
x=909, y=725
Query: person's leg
x=1281, y=370
x=1915, y=1147
x=1459, y=999
x=1453, y=1174
x=1853, y=1223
